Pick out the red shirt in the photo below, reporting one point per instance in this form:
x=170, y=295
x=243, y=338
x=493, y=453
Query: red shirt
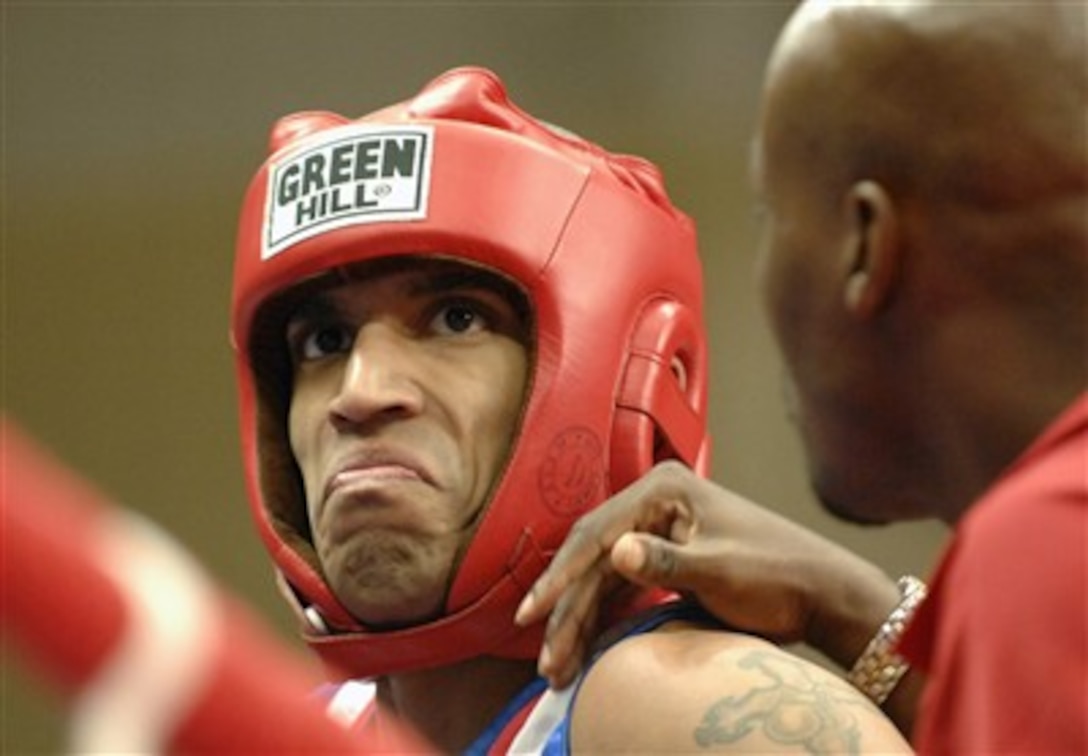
x=1003, y=636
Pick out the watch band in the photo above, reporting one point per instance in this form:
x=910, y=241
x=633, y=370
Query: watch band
x=879, y=668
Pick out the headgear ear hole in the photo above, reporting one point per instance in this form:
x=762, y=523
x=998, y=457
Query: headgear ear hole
x=681, y=372
x=679, y=369
x=661, y=402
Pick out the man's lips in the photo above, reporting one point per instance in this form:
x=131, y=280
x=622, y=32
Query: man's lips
x=375, y=469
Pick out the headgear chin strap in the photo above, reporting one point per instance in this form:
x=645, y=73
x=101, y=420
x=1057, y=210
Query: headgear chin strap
x=609, y=267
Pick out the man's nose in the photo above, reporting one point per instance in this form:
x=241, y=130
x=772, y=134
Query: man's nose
x=380, y=378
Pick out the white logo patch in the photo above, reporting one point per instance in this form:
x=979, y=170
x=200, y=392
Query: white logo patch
x=357, y=174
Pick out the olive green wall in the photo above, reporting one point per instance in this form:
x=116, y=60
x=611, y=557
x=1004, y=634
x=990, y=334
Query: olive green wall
x=130, y=131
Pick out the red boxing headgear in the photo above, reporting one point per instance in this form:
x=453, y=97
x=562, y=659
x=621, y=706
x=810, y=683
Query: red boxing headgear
x=609, y=267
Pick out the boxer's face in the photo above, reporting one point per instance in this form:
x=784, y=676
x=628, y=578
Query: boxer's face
x=408, y=385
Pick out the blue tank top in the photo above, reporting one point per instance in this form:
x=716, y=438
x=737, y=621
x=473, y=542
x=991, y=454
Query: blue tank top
x=546, y=731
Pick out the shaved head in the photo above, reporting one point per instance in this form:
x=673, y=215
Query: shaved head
x=978, y=101
x=924, y=166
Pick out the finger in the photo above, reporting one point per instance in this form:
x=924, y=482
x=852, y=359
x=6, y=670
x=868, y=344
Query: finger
x=591, y=538
x=693, y=571
x=588, y=541
x=570, y=629
x=629, y=556
x=649, y=560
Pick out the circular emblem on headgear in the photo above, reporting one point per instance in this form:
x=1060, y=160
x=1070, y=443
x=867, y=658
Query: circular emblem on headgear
x=572, y=471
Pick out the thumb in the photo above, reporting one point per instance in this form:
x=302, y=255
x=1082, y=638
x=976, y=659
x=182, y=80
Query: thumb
x=646, y=559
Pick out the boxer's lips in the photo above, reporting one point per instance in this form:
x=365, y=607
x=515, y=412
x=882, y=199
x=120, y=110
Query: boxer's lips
x=374, y=469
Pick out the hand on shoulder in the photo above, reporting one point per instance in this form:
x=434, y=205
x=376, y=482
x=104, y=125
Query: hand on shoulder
x=753, y=569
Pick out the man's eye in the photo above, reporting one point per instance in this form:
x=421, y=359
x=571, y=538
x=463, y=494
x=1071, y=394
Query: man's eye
x=458, y=318
x=321, y=342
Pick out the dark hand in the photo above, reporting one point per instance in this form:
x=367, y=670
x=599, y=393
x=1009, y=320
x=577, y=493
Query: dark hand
x=753, y=569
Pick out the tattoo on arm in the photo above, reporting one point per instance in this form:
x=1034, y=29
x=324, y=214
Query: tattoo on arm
x=792, y=708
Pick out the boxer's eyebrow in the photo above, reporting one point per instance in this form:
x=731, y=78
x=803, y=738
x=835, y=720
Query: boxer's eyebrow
x=443, y=279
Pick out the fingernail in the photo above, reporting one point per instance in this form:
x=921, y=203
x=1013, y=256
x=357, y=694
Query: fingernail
x=627, y=552
x=545, y=658
x=524, y=608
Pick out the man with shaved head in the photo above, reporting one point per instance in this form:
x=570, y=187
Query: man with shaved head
x=923, y=168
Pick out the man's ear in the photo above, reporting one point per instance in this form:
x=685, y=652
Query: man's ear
x=873, y=248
